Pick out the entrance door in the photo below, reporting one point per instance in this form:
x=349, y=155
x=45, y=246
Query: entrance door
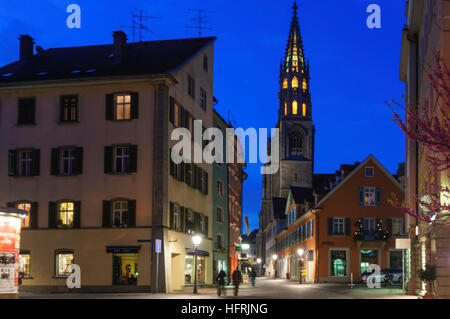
x=368, y=257
x=125, y=271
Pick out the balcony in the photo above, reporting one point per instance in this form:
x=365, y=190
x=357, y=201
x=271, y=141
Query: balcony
x=372, y=235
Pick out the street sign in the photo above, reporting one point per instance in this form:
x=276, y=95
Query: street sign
x=158, y=246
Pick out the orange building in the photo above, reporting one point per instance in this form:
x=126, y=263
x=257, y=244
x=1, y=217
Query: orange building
x=342, y=225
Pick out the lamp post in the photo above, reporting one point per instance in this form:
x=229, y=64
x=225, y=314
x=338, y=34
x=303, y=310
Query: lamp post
x=196, y=240
x=274, y=257
x=300, y=254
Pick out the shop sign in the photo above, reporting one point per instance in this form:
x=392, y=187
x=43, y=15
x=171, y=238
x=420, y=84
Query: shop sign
x=9, y=253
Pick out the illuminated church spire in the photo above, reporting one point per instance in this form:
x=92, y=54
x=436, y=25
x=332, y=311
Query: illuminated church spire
x=294, y=56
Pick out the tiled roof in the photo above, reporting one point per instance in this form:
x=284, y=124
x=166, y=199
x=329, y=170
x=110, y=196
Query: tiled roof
x=279, y=206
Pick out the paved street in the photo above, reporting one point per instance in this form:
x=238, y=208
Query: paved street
x=265, y=289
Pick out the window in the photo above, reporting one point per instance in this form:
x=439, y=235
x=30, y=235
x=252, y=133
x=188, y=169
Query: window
x=220, y=217
x=295, y=83
x=338, y=226
x=304, y=109
x=120, y=213
x=26, y=220
x=369, y=223
x=395, y=259
x=219, y=242
x=64, y=261
x=123, y=107
x=220, y=188
x=205, y=63
x=26, y=111
x=121, y=159
x=304, y=85
x=191, y=87
x=285, y=108
x=338, y=263
x=398, y=226
x=25, y=263
x=66, y=214
x=67, y=161
x=296, y=143
x=294, y=107
x=69, y=108
x=369, y=171
x=25, y=163
x=369, y=196
x=285, y=83
x=203, y=99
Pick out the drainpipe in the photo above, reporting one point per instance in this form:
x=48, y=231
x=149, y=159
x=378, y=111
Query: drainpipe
x=314, y=211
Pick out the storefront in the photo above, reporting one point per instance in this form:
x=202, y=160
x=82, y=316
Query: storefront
x=189, y=266
x=125, y=264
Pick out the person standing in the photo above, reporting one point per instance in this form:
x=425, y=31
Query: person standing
x=252, y=275
x=236, y=278
x=221, y=282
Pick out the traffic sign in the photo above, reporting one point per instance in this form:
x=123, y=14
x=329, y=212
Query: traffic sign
x=158, y=246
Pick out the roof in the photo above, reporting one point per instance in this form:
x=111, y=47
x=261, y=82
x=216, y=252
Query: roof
x=321, y=182
x=279, y=206
x=150, y=57
x=301, y=194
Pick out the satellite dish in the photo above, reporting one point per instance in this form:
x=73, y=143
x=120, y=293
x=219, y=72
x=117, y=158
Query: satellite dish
x=39, y=50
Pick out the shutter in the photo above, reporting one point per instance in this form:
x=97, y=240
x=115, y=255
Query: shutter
x=54, y=161
x=61, y=109
x=108, y=160
x=330, y=226
x=181, y=117
x=171, y=164
x=195, y=172
x=181, y=176
x=12, y=163
x=51, y=214
x=11, y=205
x=34, y=215
x=361, y=196
x=403, y=226
x=107, y=218
x=131, y=213
x=133, y=159
x=171, y=222
x=78, y=163
x=206, y=226
x=134, y=112
x=378, y=196
x=347, y=226
x=181, y=213
x=36, y=162
x=206, y=183
x=109, y=109
x=389, y=225
x=187, y=168
x=77, y=217
x=172, y=111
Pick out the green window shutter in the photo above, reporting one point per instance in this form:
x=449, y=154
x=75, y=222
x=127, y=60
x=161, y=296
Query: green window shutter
x=181, y=213
x=51, y=215
x=78, y=163
x=330, y=226
x=12, y=163
x=11, y=205
x=108, y=159
x=347, y=226
x=361, y=196
x=131, y=213
x=36, y=163
x=171, y=217
x=134, y=111
x=54, y=161
x=107, y=217
x=34, y=215
x=109, y=109
x=378, y=196
x=77, y=212
x=133, y=159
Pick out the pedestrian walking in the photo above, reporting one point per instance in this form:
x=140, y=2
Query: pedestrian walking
x=252, y=275
x=221, y=283
x=237, y=279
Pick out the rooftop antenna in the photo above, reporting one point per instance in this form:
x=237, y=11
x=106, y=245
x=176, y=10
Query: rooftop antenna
x=137, y=23
x=201, y=21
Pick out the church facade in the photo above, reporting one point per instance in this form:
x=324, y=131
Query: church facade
x=296, y=142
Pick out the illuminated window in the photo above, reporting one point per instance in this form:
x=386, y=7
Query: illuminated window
x=120, y=214
x=285, y=108
x=369, y=196
x=304, y=85
x=123, y=107
x=294, y=107
x=64, y=261
x=24, y=263
x=295, y=83
x=66, y=212
x=26, y=220
x=285, y=84
x=304, y=109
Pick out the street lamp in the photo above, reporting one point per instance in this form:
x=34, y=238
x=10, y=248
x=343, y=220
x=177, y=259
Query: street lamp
x=300, y=254
x=245, y=246
x=196, y=240
x=274, y=257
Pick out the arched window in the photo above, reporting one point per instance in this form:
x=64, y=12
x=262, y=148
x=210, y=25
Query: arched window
x=296, y=144
x=285, y=84
x=295, y=83
x=285, y=108
x=294, y=107
x=304, y=85
x=304, y=109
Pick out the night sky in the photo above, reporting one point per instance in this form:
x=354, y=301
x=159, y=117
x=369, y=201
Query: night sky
x=354, y=69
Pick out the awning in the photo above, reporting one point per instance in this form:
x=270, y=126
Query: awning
x=123, y=249
x=192, y=251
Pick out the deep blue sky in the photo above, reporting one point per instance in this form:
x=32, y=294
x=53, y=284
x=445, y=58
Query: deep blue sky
x=354, y=69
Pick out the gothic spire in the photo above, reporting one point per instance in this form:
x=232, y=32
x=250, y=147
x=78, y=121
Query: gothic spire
x=294, y=50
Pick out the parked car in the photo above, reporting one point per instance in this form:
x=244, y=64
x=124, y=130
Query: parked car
x=394, y=275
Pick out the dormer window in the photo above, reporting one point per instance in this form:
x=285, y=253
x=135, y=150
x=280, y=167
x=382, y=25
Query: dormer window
x=369, y=171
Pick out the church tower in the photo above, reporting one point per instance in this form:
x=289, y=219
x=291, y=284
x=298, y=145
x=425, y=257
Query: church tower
x=295, y=114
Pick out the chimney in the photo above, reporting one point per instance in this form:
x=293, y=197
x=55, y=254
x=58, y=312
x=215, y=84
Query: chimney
x=26, y=47
x=120, y=42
